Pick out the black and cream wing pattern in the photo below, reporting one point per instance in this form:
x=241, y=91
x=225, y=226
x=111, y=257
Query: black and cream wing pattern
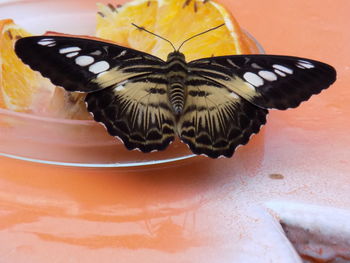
x=212, y=104
x=215, y=119
x=229, y=97
x=125, y=91
x=267, y=81
x=85, y=65
x=137, y=111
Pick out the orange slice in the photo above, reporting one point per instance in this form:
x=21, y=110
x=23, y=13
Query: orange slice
x=21, y=89
x=176, y=21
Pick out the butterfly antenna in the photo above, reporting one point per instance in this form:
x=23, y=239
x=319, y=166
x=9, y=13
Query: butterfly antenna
x=211, y=29
x=144, y=29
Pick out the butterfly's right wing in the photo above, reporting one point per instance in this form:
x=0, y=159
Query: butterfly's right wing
x=267, y=81
x=85, y=65
x=137, y=111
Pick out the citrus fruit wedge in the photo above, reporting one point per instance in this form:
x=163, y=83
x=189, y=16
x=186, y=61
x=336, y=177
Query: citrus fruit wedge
x=176, y=21
x=25, y=90
x=21, y=89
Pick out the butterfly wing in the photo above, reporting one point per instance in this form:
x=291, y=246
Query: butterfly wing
x=215, y=119
x=137, y=111
x=126, y=88
x=267, y=81
x=84, y=65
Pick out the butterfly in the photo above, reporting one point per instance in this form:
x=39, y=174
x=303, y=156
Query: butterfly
x=212, y=104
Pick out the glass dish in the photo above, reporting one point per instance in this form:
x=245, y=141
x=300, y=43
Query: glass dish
x=81, y=143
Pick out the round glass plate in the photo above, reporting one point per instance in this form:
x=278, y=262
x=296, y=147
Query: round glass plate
x=81, y=143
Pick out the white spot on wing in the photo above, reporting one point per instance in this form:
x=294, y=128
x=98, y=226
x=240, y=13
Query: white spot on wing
x=84, y=60
x=268, y=75
x=47, y=41
x=282, y=74
x=121, y=54
x=69, y=49
x=96, y=53
x=305, y=64
x=253, y=79
x=254, y=65
x=99, y=67
x=283, y=68
x=72, y=54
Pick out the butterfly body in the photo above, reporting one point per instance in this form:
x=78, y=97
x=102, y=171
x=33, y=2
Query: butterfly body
x=212, y=104
x=176, y=74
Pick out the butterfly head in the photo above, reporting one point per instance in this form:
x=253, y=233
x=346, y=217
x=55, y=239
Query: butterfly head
x=176, y=55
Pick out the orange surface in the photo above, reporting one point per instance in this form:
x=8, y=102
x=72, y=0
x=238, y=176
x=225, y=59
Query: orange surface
x=189, y=211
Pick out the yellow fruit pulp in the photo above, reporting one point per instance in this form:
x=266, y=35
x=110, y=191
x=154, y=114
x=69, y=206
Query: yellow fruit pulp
x=21, y=89
x=25, y=90
x=16, y=92
x=176, y=21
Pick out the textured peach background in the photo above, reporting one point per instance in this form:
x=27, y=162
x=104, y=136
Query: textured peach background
x=191, y=211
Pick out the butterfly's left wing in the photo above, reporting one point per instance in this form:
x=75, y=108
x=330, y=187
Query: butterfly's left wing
x=127, y=91
x=85, y=65
x=267, y=81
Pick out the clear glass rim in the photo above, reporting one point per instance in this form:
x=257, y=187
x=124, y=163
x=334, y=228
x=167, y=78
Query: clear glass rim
x=86, y=123
x=99, y=165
